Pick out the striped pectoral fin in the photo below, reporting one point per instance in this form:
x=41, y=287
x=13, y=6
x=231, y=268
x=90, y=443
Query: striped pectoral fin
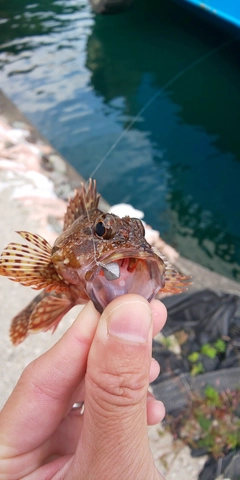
x=42, y=314
x=31, y=266
x=175, y=282
x=19, y=325
x=48, y=313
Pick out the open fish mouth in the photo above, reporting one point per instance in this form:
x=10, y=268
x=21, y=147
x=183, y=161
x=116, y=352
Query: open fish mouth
x=127, y=275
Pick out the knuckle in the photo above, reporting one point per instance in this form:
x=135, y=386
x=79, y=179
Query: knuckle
x=121, y=384
x=39, y=383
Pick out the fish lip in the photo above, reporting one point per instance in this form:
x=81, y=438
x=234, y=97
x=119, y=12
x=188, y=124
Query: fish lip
x=146, y=279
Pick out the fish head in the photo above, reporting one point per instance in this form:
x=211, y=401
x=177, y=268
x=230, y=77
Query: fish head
x=109, y=256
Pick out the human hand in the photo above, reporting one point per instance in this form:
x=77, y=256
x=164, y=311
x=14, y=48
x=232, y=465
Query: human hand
x=105, y=361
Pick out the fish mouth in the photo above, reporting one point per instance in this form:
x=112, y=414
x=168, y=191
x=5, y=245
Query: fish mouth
x=140, y=275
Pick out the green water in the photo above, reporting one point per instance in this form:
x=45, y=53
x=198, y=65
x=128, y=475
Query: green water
x=81, y=79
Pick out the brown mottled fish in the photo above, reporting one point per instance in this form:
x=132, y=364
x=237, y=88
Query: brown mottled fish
x=99, y=256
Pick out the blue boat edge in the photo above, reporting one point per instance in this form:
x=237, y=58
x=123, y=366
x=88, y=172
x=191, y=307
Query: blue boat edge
x=226, y=13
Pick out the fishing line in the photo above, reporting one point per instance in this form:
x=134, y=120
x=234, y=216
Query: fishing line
x=170, y=82
x=92, y=236
x=110, y=271
x=158, y=93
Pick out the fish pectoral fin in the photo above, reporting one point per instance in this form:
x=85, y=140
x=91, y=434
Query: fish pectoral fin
x=19, y=325
x=84, y=200
x=31, y=266
x=43, y=313
x=175, y=282
x=48, y=313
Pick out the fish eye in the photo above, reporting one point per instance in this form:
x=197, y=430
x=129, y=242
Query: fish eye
x=100, y=229
x=105, y=226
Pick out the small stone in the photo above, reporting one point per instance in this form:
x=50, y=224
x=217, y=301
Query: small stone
x=46, y=164
x=21, y=125
x=63, y=191
x=58, y=163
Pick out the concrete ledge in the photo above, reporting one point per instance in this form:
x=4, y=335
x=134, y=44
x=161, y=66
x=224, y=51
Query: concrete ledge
x=205, y=278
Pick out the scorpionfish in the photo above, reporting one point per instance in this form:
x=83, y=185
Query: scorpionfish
x=99, y=256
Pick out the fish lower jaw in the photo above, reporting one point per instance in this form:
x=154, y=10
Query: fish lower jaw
x=143, y=278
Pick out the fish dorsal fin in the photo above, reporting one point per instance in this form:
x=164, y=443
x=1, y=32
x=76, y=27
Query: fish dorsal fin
x=31, y=266
x=85, y=199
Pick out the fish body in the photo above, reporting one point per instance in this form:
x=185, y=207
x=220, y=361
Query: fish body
x=99, y=256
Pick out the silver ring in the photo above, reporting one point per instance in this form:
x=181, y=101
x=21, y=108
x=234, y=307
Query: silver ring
x=78, y=406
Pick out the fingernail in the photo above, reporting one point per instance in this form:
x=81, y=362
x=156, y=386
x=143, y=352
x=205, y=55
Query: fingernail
x=130, y=321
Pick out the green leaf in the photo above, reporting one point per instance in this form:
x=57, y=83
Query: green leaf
x=209, y=350
x=220, y=346
x=205, y=423
x=212, y=395
x=197, y=368
x=166, y=342
x=233, y=441
x=193, y=357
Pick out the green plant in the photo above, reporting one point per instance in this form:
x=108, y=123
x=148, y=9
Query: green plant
x=212, y=396
x=193, y=357
x=166, y=342
x=211, y=423
x=220, y=346
x=208, y=349
x=197, y=368
x=212, y=350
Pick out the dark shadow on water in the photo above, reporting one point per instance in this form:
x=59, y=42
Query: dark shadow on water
x=192, y=127
x=159, y=39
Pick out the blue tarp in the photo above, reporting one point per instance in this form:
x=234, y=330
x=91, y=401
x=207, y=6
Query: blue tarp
x=228, y=10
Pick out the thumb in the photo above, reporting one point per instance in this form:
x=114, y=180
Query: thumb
x=116, y=384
